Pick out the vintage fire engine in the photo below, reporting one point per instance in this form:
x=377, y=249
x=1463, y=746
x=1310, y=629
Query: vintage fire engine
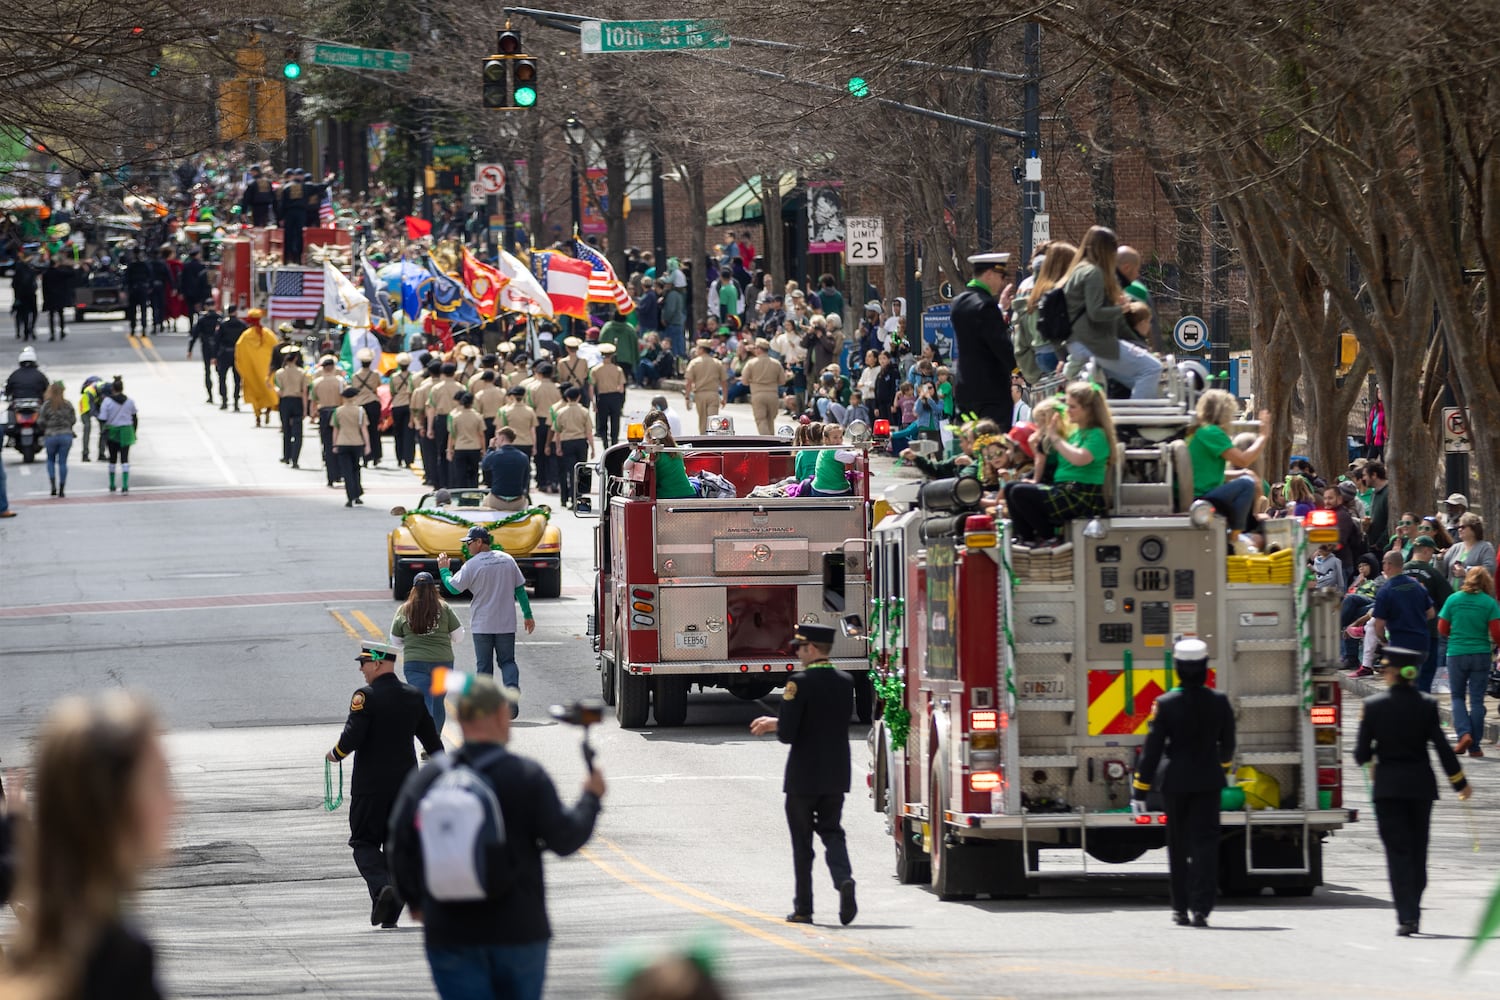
x=1018, y=683
x=708, y=591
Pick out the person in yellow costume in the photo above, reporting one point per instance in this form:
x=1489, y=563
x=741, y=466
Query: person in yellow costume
x=254, y=355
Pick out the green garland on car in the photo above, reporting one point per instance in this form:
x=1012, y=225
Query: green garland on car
x=463, y=522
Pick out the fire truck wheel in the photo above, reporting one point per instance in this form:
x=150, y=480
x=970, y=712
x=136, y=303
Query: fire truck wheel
x=941, y=856
x=752, y=692
x=864, y=697
x=607, y=677
x=671, y=698
x=548, y=582
x=911, y=864
x=632, y=699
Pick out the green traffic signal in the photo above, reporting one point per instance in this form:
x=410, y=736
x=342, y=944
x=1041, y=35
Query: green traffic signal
x=525, y=97
x=859, y=87
x=291, y=70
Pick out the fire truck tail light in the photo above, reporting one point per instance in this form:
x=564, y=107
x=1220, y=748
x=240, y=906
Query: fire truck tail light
x=1325, y=693
x=744, y=668
x=984, y=720
x=791, y=666
x=1329, y=777
x=766, y=668
x=984, y=781
x=1321, y=519
x=1143, y=820
x=1162, y=819
x=1327, y=736
x=1325, y=715
x=984, y=741
x=644, y=606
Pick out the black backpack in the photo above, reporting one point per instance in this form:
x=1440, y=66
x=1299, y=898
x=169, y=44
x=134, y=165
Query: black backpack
x=1052, y=321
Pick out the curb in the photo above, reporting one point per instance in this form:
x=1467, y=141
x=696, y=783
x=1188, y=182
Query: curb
x=1363, y=687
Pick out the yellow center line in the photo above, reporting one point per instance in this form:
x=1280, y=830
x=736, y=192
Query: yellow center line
x=737, y=924
x=344, y=622
x=745, y=911
x=374, y=630
x=145, y=340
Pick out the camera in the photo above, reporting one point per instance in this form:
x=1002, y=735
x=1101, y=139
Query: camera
x=583, y=712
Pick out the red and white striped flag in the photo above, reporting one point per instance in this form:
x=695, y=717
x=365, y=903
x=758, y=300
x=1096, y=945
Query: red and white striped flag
x=603, y=285
x=325, y=210
x=295, y=294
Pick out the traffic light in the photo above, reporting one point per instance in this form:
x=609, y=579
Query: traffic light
x=291, y=69
x=523, y=74
x=859, y=86
x=510, y=75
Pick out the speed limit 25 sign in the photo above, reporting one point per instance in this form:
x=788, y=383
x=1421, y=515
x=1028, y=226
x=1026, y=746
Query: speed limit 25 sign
x=864, y=240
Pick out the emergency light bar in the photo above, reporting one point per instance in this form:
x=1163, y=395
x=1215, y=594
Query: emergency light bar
x=1322, y=526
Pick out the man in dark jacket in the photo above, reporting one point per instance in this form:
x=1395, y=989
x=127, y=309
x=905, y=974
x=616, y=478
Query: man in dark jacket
x=500, y=940
x=1193, y=726
x=205, y=331
x=137, y=290
x=259, y=200
x=384, y=717
x=982, y=345
x=57, y=297
x=814, y=719
x=293, y=214
x=229, y=334
x=161, y=280
x=195, y=286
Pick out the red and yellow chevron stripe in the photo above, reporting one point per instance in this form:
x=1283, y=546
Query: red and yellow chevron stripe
x=1118, y=710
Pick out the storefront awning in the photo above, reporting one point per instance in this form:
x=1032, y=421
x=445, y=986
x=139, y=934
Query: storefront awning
x=743, y=203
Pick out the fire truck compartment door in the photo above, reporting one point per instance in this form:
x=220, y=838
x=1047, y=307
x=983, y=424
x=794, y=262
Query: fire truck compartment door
x=693, y=624
x=746, y=556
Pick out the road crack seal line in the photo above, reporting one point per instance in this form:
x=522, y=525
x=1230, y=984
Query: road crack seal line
x=746, y=927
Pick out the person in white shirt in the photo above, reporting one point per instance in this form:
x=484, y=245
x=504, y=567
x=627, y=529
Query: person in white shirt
x=1020, y=411
x=496, y=585
x=674, y=419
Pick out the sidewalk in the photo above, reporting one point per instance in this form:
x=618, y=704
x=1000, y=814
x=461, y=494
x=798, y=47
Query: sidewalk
x=1363, y=687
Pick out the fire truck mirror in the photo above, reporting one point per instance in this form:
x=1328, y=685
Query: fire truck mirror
x=852, y=626
x=833, y=581
x=583, y=490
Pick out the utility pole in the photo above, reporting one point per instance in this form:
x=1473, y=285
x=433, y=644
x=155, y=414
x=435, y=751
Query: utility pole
x=983, y=230
x=1031, y=125
x=658, y=214
x=1218, y=316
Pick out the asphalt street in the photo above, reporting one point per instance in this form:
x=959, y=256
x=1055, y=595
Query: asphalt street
x=231, y=590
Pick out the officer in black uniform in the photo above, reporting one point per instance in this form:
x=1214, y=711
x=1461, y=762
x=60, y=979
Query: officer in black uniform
x=293, y=215
x=259, y=200
x=230, y=329
x=205, y=331
x=384, y=716
x=815, y=720
x=1395, y=728
x=138, y=290
x=982, y=344
x=1194, y=727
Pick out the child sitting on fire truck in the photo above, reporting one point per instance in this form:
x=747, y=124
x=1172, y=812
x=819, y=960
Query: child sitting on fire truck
x=1038, y=511
x=671, y=473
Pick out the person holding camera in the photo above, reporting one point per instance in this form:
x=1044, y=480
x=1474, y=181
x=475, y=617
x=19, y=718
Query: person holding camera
x=493, y=943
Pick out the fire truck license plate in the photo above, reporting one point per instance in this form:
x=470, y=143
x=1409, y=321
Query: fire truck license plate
x=1051, y=686
x=692, y=640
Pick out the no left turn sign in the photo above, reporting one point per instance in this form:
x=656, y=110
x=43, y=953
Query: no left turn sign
x=490, y=178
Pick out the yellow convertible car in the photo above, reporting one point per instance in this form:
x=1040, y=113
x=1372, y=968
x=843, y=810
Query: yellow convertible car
x=440, y=521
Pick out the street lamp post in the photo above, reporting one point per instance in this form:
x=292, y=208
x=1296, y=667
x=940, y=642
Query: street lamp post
x=576, y=134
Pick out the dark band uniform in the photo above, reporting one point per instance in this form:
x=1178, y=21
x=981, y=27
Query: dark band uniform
x=1395, y=728
x=1194, y=727
x=814, y=719
x=982, y=345
x=384, y=716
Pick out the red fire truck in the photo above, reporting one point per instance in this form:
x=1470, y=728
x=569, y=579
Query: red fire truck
x=1018, y=683
x=708, y=591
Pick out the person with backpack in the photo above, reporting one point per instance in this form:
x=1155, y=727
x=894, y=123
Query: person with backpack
x=384, y=717
x=466, y=841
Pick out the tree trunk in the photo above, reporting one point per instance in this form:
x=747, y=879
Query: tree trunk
x=774, y=233
x=614, y=207
x=698, y=211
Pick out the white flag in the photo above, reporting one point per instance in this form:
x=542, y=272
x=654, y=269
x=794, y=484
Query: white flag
x=522, y=293
x=342, y=302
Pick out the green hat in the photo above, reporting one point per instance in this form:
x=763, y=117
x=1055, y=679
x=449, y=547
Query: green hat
x=1424, y=542
x=481, y=696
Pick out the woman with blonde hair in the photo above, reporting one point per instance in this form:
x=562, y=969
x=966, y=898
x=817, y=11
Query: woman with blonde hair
x=1083, y=461
x=1036, y=355
x=57, y=418
x=102, y=810
x=1209, y=447
x=1470, y=621
x=1095, y=311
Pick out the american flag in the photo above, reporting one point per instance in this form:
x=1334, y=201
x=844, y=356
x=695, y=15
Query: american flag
x=325, y=210
x=603, y=285
x=295, y=294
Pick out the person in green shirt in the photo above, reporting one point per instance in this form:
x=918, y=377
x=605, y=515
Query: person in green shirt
x=1036, y=511
x=1470, y=621
x=807, y=438
x=1209, y=447
x=671, y=472
x=830, y=475
x=426, y=628
x=626, y=339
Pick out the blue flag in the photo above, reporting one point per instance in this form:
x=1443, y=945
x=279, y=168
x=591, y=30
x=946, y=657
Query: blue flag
x=413, y=282
x=450, y=299
x=374, y=290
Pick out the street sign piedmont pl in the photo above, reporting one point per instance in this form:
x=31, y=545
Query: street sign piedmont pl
x=349, y=57
x=652, y=36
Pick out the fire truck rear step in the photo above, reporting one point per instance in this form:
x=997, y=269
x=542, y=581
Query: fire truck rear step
x=1250, y=825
